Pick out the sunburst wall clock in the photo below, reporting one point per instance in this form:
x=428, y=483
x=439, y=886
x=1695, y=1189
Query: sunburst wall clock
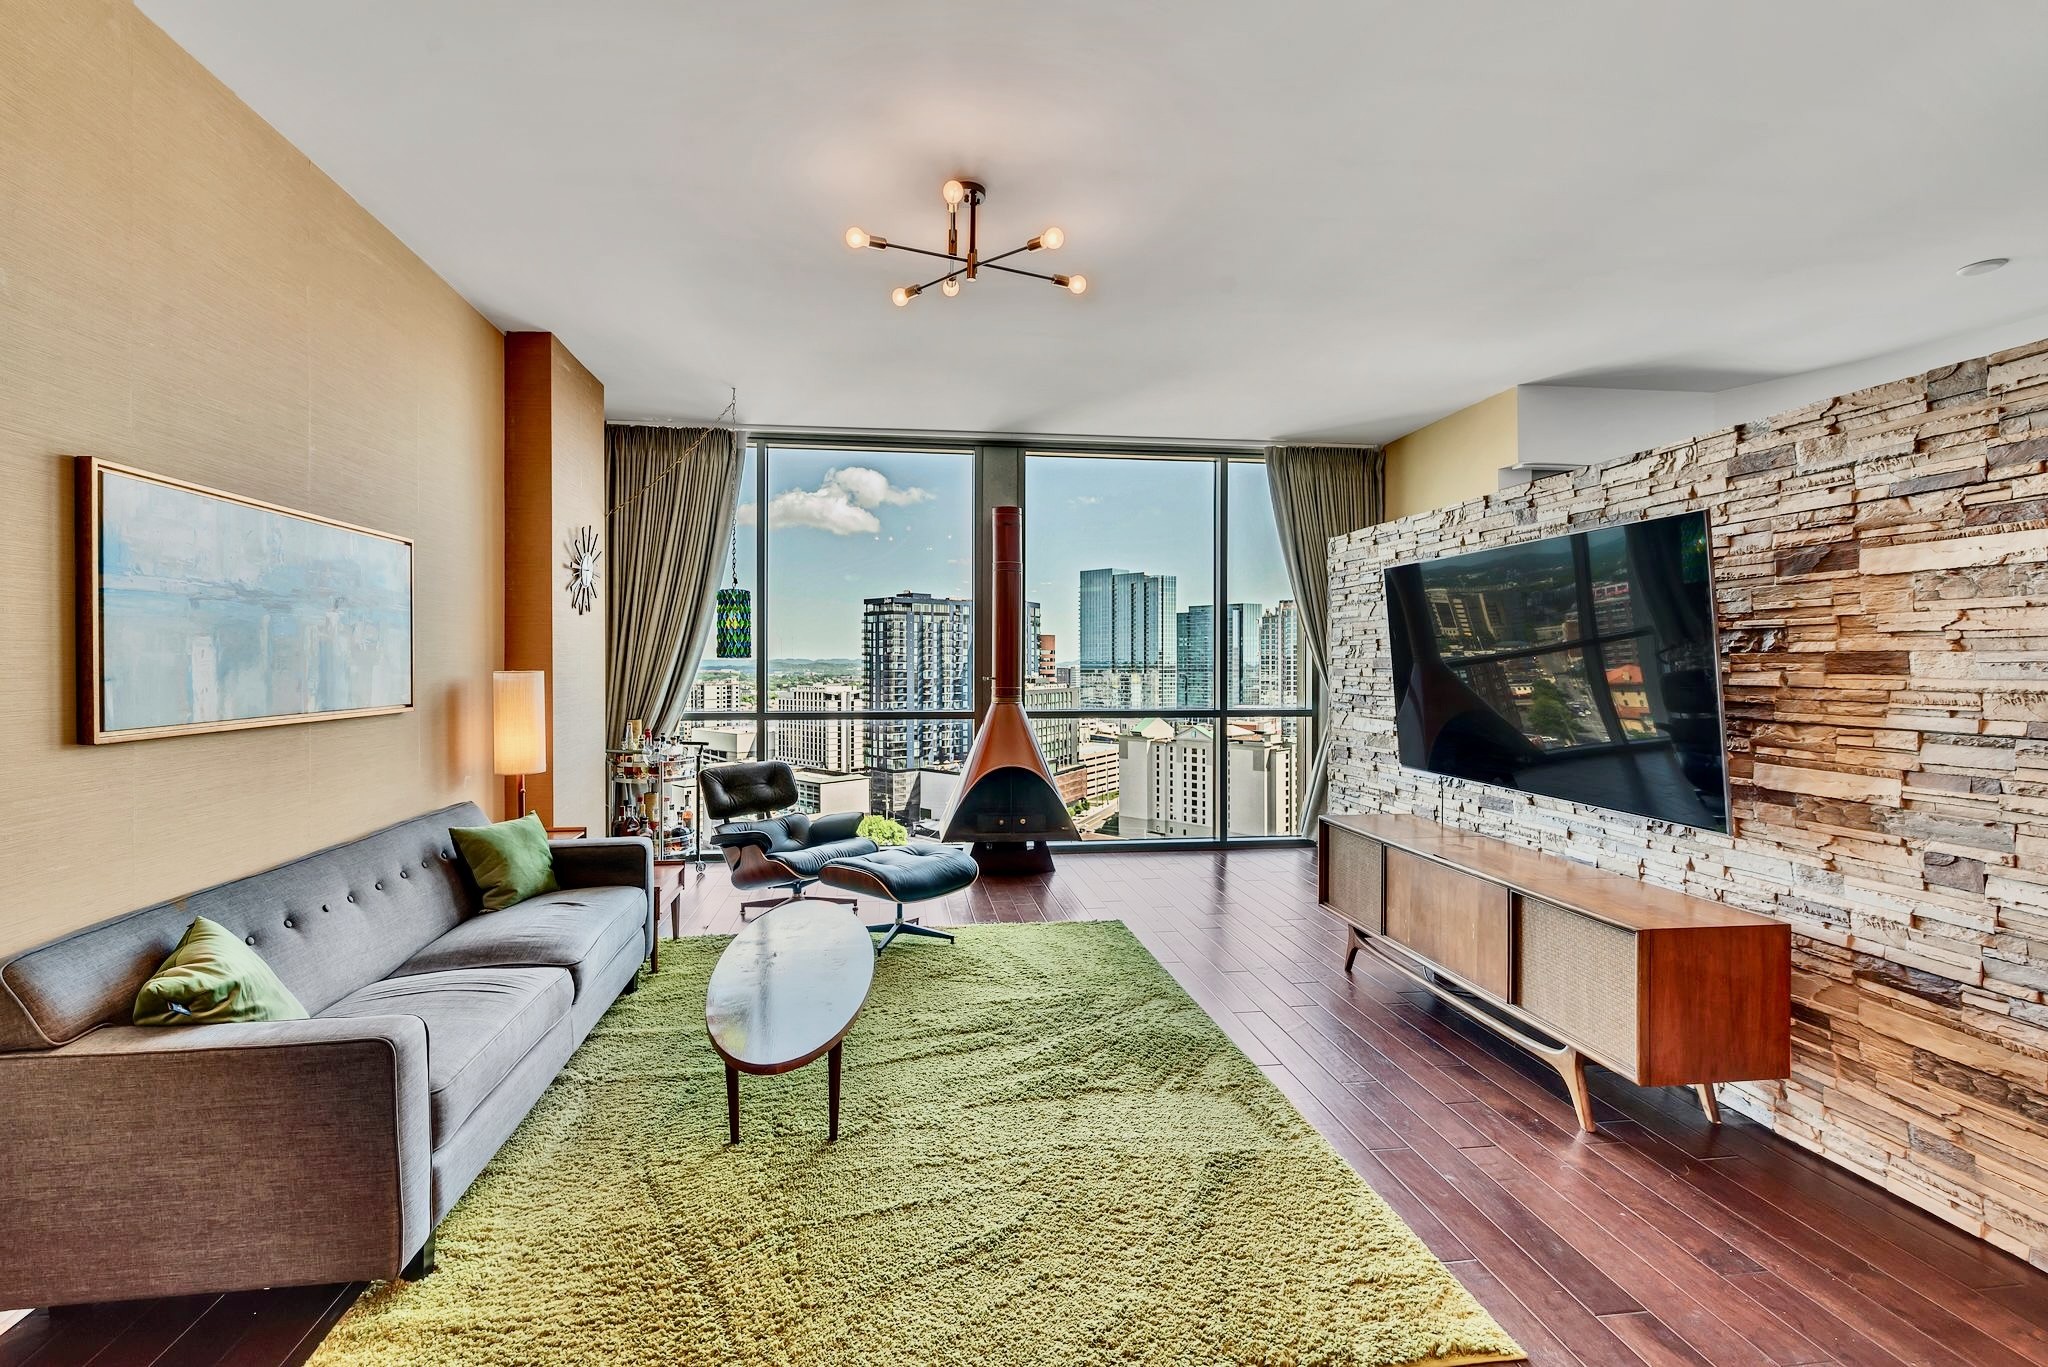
x=582, y=567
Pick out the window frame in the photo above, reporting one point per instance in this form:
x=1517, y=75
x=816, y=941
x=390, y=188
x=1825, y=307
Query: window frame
x=982, y=451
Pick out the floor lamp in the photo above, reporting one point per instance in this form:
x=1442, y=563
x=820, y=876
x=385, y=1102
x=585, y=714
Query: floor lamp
x=519, y=725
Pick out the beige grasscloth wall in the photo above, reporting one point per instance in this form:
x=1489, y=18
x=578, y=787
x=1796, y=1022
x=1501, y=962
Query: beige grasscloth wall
x=1881, y=582
x=181, y=290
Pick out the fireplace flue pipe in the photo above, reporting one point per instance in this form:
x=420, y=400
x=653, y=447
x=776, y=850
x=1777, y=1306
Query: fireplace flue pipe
x=1008, y=803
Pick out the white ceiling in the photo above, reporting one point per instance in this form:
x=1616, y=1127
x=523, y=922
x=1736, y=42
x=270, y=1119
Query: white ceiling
x=1338, y=219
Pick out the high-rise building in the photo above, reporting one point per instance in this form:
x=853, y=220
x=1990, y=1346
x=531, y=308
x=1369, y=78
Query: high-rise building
x=1264, y=783
x=1059, y=738
x=1194, y=648
x=818, y=792
x=1280, y=656
x=722, y=692
x=917, y=655
x=1241, y=655
x=1195, y=652
x=1127, y=638
x=1164, y=782
x=1038, y=645
x=834, y=746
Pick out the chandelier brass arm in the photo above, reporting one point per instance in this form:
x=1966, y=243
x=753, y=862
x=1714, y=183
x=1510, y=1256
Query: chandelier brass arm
x=971, y=193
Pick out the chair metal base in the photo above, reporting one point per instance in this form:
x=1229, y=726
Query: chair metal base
x=800, y=895
x=899, y=926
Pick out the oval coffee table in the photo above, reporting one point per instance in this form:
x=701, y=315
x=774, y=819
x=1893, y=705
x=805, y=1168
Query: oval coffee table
x=786, y=990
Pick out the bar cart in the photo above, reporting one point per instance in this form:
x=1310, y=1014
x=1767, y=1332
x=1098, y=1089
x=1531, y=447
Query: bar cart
x=654, y=794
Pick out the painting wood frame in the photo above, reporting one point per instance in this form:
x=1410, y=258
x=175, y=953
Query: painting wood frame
x=88, y=472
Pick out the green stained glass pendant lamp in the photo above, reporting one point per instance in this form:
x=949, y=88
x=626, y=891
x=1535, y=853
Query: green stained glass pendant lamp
x=735, y=614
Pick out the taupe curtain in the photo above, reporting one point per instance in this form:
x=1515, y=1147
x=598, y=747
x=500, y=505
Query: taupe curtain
x=670, y=521
x=1320, y=492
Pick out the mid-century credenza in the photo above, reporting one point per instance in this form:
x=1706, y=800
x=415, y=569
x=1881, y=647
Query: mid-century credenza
x=1568, y=961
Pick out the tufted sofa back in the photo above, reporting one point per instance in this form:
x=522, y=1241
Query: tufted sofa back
x=327, y=924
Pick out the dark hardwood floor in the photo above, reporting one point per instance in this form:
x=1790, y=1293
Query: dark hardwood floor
x=1659, y=1240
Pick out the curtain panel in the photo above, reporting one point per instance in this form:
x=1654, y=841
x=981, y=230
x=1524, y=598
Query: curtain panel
x=671, y=491
x=1320, y=492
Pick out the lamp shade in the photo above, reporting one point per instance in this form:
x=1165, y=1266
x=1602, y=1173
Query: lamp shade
x=519, y=721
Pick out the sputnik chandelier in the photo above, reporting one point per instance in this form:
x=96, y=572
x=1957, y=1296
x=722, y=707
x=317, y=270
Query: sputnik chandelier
x=970, y=193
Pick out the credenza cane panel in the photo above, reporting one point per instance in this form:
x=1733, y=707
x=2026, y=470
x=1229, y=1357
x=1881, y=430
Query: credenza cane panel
x=1579, y=974
x=1356, y=874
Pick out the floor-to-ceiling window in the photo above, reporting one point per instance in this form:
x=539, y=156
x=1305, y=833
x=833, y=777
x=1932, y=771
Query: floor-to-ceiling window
x=862, y=671
x=1163, y=663
x=1173, y=706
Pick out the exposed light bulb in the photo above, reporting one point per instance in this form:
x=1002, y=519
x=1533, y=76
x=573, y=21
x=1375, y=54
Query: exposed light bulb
x=1077, y=284
x=900, y=295
x=856, y=239
x=1052, y=239
x=950, y=286
x=954, y=192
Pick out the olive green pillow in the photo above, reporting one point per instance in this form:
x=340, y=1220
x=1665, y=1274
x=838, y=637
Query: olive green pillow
x=211, y=977
x=510, y=861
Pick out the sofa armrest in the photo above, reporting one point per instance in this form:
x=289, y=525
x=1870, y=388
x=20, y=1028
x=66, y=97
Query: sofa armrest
x=836, y=826
x=163, y=1161
x=620, y=861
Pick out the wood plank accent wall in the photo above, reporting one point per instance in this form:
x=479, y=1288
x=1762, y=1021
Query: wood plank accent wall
x=1881, y=568
x=554, y=483
x=182, y=291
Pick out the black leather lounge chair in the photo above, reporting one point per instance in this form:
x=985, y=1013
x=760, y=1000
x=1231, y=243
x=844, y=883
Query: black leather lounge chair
x=764, y=850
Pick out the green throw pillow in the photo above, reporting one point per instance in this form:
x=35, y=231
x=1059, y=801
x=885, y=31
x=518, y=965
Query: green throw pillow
x=213, y=977
x=510, y=861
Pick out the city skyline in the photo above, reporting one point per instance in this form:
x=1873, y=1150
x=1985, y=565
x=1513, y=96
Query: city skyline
x=848, y=525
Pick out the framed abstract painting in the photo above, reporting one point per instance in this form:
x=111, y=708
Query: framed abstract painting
x=201, y=611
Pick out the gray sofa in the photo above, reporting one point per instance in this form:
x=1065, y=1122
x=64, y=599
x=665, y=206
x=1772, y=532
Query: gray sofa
x=163, y=1161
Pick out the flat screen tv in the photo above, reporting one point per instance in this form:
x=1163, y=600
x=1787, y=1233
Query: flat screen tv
x=1580, y=667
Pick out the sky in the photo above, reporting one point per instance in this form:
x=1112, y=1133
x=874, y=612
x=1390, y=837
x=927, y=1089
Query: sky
x=849, y=525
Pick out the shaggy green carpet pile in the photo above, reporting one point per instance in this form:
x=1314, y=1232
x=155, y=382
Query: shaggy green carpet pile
x=1048, y=1155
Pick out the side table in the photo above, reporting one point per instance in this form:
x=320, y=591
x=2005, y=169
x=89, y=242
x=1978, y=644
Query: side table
x=668, y=895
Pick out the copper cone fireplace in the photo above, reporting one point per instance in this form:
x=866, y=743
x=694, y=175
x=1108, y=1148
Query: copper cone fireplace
x=1008, y=804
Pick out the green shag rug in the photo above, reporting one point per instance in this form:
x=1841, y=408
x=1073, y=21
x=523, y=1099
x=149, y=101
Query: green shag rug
x=1048, y=1155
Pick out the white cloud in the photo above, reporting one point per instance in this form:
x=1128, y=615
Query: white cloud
x=842, y=504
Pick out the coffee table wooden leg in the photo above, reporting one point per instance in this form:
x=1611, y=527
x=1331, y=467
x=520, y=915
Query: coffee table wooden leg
x=732, y=1102
x=832, y=1093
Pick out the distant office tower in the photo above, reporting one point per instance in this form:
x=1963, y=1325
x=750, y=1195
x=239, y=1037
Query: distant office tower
x=1194, y=648
x=1241, y=655
x=1195, y=652
x=833, y=746
x=1127, y=638
x=1038, y=664
x=1048, y=669
x=722, y=692
x=1280, y=655
x=917, y=656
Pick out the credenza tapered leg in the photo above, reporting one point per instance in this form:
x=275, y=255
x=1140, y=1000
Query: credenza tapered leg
x=1709, y=1103
x=1573, y=1068
x=1354, y=940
